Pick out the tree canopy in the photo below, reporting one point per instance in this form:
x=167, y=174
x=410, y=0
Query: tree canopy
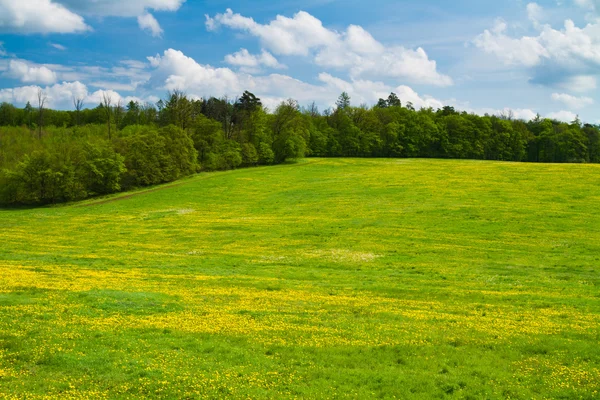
x=51, y=156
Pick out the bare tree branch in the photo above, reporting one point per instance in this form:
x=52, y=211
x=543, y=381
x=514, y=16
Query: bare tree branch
x=42, y=98
x=78, y=104
x=118, y=113
x=107, y=103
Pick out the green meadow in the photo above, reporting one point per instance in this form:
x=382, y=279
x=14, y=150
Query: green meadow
x=320, y=279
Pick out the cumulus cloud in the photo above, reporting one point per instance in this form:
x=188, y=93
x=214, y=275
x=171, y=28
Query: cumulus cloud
x=527, y=51
x=126, y=76
x=148, y=23
x=564, y=116
x=524, y=114
x=97, y=97
x=39, y=16
x=27, y=73
x=579, y=83
x=572, y=102
x=253, y=63
x=519, y=113
x=65, y=16
x=174, y=70
x=287, y=36
x=535, y=13
x=120, y=8
x=555, y=56
x=354, y=49
x=59, y=95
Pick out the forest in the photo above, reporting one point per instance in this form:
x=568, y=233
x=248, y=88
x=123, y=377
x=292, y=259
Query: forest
x=51, y=156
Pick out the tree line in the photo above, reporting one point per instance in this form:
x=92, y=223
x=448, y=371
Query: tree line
x=49, y=156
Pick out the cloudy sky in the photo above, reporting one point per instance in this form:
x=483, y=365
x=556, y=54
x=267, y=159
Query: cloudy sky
x=479, y=56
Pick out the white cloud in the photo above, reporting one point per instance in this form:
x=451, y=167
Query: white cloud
x=97, y=97
x=126, y=76
x=58, y=46
x=572, y=102
x=524, y=114
x=587, y=4
x=287, y=36
x=2, y=50
x=26, y=73
x=564, y=116
x=38, y=16
x=59, y=95
x=571, y=48
x=120, y=8
x=118, y=86
x=148, y=23
x=567, y=58
x=253, y=63
x=354, y=49
x=128, y=73
x=535, y=13
x=579, y=83
x=65, y=16
x=174, y=70
x=135, y=64
x=525, y=51
x=407, y=94
x=520, y=113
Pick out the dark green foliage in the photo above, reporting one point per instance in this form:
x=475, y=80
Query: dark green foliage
x=181, y=154
x=73, y=157
x=102, y=169
x=249, y=154
x=289, y=130
x=265, y=154
x=229, y=156
x=155, y=156
x=63, y=166
x=42, y=177
x=145, y=158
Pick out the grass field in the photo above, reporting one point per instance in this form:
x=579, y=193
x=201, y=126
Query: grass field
x=322, y=279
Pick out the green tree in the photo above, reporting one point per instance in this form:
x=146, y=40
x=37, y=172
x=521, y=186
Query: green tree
x=343, y=102
x=102, y=169
x=28, y=113
x=249, y=154
x=266, y=156
x=393, y=100
x=288, y=131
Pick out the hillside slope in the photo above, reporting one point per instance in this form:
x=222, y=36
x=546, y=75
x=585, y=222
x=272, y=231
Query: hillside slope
x=328, y=278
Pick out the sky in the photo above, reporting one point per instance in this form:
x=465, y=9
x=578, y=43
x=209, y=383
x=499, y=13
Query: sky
x=480, y=56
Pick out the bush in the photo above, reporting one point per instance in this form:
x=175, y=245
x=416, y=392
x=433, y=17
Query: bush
x=102, y=169
x=266, y=156
x=249, y=154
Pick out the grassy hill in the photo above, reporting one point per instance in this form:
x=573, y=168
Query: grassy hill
x=328, y=278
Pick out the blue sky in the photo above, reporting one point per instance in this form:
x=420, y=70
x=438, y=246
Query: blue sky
x=480, y=56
